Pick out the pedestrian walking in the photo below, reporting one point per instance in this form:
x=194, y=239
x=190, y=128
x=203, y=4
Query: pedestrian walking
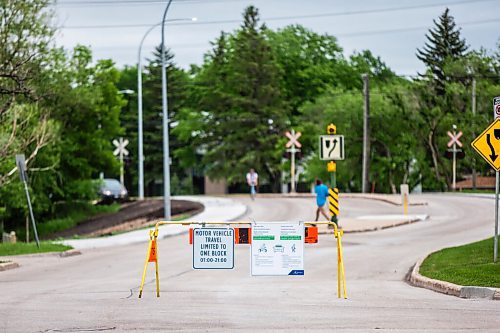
x=321, y=196
x=253, y=182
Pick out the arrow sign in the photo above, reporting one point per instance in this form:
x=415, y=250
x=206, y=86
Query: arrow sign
x=454, y=139
x=294, y=139
x=493, y=156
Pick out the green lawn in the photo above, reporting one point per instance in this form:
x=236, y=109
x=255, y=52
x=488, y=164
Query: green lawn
x=9, y=249
x=467, y=265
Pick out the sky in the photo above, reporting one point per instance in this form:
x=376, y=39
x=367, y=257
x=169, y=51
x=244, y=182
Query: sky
x=391, y=29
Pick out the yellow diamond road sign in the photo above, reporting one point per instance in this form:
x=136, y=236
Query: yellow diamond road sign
x=487, y=144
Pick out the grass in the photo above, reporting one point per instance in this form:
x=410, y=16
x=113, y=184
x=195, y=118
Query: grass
x=72, y=215
x=10, y=249
x=467, y=265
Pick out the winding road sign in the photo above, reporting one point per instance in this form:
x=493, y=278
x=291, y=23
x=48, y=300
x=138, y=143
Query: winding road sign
x=487, y=144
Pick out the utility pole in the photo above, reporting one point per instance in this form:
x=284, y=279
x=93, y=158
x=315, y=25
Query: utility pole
x=365, y=182
x=474, y=175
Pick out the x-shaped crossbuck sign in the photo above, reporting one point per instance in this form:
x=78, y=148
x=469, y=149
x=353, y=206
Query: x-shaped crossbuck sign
x=294, y=139
x=454, y=139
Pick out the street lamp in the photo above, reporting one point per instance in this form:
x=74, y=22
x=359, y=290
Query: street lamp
x=139, y=104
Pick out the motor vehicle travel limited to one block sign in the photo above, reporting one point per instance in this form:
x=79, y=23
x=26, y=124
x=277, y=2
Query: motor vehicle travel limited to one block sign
x=278, y=249
x=487, y=144
x=213, y=248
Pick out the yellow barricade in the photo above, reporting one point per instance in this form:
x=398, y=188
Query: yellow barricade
x=152, y=253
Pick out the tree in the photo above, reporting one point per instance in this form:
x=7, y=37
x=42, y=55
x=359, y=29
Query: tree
x=25, y=127
x=443, y=44
x=245, y=112
x=178, y=84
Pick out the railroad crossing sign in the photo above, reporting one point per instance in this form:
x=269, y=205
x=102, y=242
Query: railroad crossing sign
x=496, y=107
x=331, y=147
x=454, y=139
x=487, y=144
x=294, y=139
x=120, y=147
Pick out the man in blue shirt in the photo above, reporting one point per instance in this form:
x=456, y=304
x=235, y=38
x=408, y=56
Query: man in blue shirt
x=321, y=195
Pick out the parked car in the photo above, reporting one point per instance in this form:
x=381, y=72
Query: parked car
x=112, y=190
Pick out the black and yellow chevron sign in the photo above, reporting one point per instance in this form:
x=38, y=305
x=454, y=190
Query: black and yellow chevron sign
x=333, y=201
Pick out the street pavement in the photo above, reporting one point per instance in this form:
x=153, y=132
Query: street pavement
x=98, y=290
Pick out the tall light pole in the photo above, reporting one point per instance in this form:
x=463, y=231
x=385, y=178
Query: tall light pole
x=139, y=106
x=166, y=151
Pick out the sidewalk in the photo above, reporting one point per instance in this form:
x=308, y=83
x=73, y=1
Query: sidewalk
x=216, y=209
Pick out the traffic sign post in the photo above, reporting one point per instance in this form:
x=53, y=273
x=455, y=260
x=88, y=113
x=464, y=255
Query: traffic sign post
x=487, y=144
x=293, y=146
x=331, y=148
x=21, y=167
x=453, y=143
x=120, y=151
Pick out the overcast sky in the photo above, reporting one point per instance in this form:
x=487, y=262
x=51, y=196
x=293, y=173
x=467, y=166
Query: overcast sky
x=391, y=29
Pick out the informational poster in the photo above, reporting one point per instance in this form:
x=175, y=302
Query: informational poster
x=213, y=248
x=277, y=249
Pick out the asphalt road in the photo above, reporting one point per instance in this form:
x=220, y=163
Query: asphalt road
x=97, y=291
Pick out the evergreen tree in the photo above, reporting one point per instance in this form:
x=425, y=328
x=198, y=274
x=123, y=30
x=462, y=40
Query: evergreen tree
x=444, y=44
x=177, y=85
x=250, y=118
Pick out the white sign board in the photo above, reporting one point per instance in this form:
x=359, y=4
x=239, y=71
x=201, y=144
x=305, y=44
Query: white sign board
x=277, y=249
x=331, y=147
x=213, y=248
x=120, y=147
x=496, y=107
x=21, y=167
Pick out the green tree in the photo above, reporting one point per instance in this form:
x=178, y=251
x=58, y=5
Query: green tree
x=444, y=43
x=244, y=108
x=178, y=85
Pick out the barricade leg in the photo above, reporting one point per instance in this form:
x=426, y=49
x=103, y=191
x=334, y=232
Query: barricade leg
x=145, y=267
x=157, y=277
x=340, y=262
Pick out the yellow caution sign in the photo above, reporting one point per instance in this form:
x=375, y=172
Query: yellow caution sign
x=331, y=166
x=333, y=201
x=487, y=144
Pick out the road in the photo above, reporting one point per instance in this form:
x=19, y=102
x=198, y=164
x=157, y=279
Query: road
x=97, y=291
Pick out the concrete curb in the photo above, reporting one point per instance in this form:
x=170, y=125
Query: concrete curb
x=387, y=226
x=8, y=265
x=70, y=253
x=396, y=201
x=418, y=280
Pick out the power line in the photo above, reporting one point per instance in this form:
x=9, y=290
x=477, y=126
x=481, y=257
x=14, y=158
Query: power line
x=279, y=18
x=124, y=3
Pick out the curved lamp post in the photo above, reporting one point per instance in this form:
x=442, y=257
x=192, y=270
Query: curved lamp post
x=139, y=102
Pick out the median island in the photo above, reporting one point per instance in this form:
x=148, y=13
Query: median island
x=466, y=265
